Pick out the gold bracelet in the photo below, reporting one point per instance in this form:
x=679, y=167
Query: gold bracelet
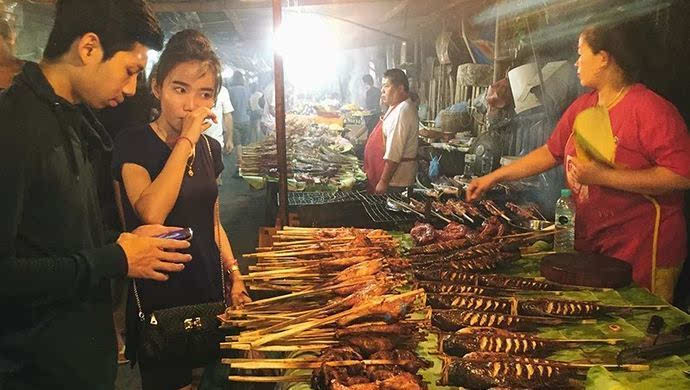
x=233, y=268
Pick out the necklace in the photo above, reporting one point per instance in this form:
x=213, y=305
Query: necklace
x=190, y=160
x=190, y=171
x=615, y=99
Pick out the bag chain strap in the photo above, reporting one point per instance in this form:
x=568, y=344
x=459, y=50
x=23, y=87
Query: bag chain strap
x=216, y=206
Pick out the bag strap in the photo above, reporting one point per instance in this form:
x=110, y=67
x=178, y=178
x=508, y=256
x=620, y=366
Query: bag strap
x=216, y=228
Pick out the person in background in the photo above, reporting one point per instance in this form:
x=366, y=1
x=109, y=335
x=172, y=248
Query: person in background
x=223, y=130
x=169, y=171
x=256, y=108
x=9, y=64
x=390, y=155
x=372, y=97
x=239, y=96
x=56, y=259
x=268, y=118
x=633, y=212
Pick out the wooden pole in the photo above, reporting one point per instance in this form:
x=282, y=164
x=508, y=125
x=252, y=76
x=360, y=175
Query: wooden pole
x=281, y=143
x=497, y=42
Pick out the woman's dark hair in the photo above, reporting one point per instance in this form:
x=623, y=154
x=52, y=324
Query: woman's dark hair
x=625, y=42
x=119, y=24
x=368, y=80
x=237, y=78
x=188, y=45
x=397, y=77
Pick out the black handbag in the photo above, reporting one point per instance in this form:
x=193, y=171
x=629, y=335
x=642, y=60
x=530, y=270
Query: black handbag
x=183, y=334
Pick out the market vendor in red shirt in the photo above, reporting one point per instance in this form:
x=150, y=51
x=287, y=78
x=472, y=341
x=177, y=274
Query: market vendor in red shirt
x=633, y=212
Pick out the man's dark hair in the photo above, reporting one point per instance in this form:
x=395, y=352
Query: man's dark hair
x=368, y=80
x=397, y=77
x=119, y=24
x=5, y=29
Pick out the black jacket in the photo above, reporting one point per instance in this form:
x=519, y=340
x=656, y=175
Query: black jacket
x=55, y=268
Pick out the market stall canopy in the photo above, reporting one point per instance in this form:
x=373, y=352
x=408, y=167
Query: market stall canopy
x=356, y=23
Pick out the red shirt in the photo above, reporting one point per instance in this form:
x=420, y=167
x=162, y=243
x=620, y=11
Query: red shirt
x=649, y=132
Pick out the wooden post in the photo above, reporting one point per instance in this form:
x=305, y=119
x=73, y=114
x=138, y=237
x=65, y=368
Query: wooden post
x=281, y=143
x=497, y=42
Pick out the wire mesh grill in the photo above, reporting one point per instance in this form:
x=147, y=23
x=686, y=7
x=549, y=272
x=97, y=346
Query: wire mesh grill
x=375, y=206
x=377, y=210
x=320, y=198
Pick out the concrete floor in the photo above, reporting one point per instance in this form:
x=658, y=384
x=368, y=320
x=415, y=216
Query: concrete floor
x=242, y=212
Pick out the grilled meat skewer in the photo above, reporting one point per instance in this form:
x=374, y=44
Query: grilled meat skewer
x=562, y=308
x=441, y=288
x=454, y=320
x=451, y=321
x=471, y=302
x=483, y=339
x=531, y=307
x=486, y=370
x=522, y=212
x=490, y=280
x=492, y=208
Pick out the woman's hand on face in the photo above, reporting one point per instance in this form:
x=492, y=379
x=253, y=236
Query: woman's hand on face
x=588, y=172
x=196, y=122
x=478, y=187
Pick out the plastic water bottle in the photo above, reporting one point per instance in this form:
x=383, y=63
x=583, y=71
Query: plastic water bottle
x=564, y=240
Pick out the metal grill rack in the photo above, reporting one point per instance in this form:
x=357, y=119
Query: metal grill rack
x=320, y=198
x=375, y=207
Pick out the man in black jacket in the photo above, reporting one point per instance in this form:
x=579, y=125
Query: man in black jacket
x=55, y=264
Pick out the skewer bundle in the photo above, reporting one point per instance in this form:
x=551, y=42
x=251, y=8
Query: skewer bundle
x=307, y=258
x=337, y=287
x=315, y=155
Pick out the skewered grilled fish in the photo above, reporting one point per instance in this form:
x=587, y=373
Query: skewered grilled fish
x=455, y=288
x=561, y=308
x=487, y=370
x=471, y=302
x=453, y=320
x=484, y=263
x=490, y=280
x=532, y=307
x=484, y=339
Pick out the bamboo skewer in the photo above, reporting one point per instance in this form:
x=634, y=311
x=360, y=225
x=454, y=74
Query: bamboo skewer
x=269, y=379
x=253, y=364
x=625, y=367
x=302, y=293
x=594, y=341
x=315, y=252
x=273, y=348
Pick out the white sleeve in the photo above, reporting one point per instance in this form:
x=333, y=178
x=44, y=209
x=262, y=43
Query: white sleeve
x=399, y=134
x=224, y=100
